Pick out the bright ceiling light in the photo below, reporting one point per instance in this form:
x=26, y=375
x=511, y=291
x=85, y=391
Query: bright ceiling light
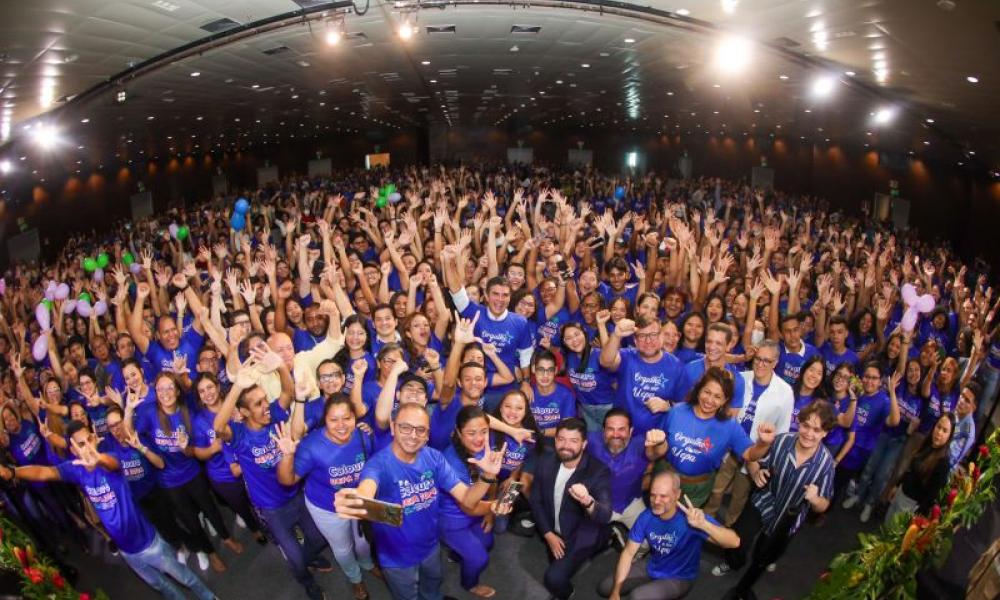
x=783, y=77
x=629, y=40
x=121, y=96
x=972, y=79
x=45, y=136
x=729, y=6
x=732, y=55
x=195, y=73
x=823, y=85
x=850, y=73
x=884, y=115
x=929, y=120
x=683, y=12
x=406, y=30
x=5, y=166
x=333, y=34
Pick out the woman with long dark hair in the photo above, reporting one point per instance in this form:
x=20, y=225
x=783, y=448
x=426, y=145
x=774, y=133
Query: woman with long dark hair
x=809, y=386
x=357, y=347
x=592, y=383
x=928, y=472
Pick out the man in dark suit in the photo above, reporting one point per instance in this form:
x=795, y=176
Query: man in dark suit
x=571, y=502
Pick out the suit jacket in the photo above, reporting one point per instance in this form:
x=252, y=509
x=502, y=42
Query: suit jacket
x=578, y=528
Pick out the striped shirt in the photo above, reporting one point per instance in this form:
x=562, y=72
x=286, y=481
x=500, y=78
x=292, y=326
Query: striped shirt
x=785, y=489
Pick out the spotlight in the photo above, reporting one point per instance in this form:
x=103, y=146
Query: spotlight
x=823, y=86
x=5, y=166
x=121, y=96
x=732, y=55
x=46, y=136
x=332, y=37
x=406, y=30
x=885, y=115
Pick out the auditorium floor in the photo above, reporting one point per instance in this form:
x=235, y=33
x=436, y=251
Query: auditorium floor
x=516, y=568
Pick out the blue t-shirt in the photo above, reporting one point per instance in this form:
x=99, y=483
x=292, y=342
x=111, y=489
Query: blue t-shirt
x=937, y=404
x=218, y=466
x=140, y=474
x=832, y=359
x=302, y=340
x=838, y=435
x=328, y=466
x=349, y=372
x=639, y=381
x=687, y=355
x=258, y=456
x=595, y=384
x=27, y=445
x=790, y=364
x=910, y=408
x=550, y=327
x=510, y=334
x=746, y=419
x=179, y=468
x=627, y=468
x=452, y=515
x=109, y=494
x=443, y=422
x=162, y=359
x=695, y=369
x=675, y=546
x=801, y=401
x=697, y=446
x=416, y=486
x=552, y=408
x=869, y=421
x=515, y=455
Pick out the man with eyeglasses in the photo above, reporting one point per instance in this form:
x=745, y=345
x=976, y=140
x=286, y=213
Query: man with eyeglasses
x=766, y=399
x=552, y=401
x=647, y=376
x=413, y=475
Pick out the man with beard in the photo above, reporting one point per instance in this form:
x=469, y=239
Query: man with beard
x=675, y=532
x=571, y=504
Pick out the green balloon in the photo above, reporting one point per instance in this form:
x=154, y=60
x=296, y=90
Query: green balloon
x=89, y=265
x=102, y=260
x=47, y=303
x=390, y=188
x=127, y=259
x=182, y=232
x=381, y=202
x=85, y=296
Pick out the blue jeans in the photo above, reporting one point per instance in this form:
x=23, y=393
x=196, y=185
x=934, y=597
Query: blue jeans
x=159, y=560
x=419, y=582
x=281, y=523
x=990, y=379
x=593, y=415
x=878, y=470
x=472, y=545
x=350, y=548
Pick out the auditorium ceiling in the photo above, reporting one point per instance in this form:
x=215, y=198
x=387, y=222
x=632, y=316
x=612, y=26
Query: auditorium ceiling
x=156, y=77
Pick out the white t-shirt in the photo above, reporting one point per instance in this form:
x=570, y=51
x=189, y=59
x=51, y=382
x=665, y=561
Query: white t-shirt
x=562, y=478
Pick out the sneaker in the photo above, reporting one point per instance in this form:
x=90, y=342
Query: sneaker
x=315, y=592
x=202, y=561
x=866, y=513
x=852, y=487
x=720, y=569
x=182, y=556
x=850, y=502
x=207, y=525
x=240, y=522
x=771, y=568
x=321, y=565
x=527, y=523
x=619, y=536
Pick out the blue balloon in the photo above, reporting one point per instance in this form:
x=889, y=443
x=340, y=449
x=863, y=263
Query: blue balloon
x=620, y=192
x=242, y=206
x=238, y=221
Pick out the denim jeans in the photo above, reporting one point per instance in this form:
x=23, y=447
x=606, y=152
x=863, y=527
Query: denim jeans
x=879, y=468
x=350, y=548
x=281, y=523
x=419, y=582
x=159, y=560
x=593, y=415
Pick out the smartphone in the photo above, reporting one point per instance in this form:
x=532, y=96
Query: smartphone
x=510, y=494
x=383, y=512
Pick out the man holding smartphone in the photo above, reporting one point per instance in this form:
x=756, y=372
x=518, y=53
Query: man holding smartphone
x=410, y=474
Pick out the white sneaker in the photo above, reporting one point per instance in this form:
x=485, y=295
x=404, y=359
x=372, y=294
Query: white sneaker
x=850, y=502
x=866, y=513
x=771, y=568
x=720, y=569
x=182, y=556
x=202, y=561
x=240, y=522
x=207, y=525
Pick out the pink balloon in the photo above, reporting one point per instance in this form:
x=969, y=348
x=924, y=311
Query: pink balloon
x=69, y=306
x=83, y=308
x=40, y=349
x=100, y=308
x=99, y=275
x=62, y=291
x=915, y=305
x=134, y=268
x=43, y=316
x=909, y=319
x=3, y=286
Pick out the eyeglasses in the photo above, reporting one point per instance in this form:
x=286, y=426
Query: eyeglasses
x=164, y=389
x=764, y=361
x=647, y=337
x=407, y=429
x=545, y=370
x=327, y=377
x=871, y=377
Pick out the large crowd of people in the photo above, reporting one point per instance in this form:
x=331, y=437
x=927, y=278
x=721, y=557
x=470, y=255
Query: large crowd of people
x=405, y=374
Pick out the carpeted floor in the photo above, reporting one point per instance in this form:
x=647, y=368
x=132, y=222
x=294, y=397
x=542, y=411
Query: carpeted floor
x=516, y=568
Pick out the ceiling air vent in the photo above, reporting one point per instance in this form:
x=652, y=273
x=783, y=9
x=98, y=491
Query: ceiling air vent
x=219, y=25
x=525, y=28
x=440, y=29
x=786, y=42
x=503, y=72
x=277, y=50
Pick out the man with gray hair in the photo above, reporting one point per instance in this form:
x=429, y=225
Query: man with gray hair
x=766, y=399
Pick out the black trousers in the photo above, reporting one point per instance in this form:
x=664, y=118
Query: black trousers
x=558, y=578
x=158, y=509
x=767, y=548
x=234, y=494
x=188, y=500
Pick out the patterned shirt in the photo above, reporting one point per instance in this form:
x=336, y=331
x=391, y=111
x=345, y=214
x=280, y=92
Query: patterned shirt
x=785, y=489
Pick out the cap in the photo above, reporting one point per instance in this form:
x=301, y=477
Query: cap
x=410, y=376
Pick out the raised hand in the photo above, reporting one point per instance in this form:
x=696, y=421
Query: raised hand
x=491, y=460
x=695, y=516
x=766, y=432
x=465, y=329
x=624, y=328
x=655, y=437
x=267, y=360
x=283, y=439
